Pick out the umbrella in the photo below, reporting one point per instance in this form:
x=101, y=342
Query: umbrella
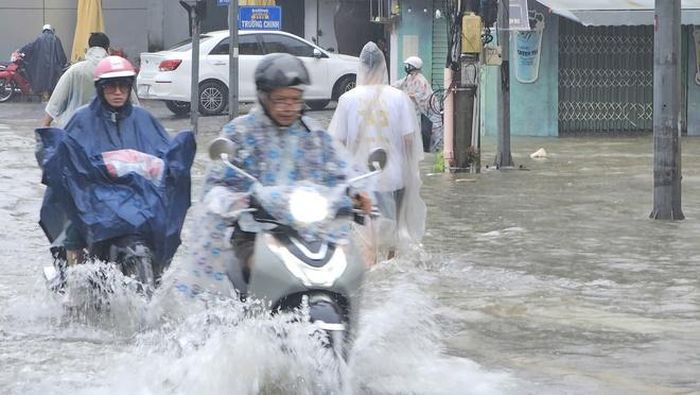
x=89, y=20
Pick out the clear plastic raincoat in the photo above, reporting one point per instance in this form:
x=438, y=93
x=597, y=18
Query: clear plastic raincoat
x=376, y=115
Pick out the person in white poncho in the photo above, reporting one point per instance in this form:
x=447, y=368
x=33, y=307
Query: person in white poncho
x=377, y=115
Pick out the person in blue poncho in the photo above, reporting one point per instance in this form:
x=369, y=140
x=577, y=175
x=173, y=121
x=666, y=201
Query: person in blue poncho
x=45, y=61
x=114, y=172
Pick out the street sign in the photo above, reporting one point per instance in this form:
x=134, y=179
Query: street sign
x=223, y=3
x=260, y=18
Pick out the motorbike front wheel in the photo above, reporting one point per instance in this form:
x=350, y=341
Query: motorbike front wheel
x=7, y=89
x=138, y=264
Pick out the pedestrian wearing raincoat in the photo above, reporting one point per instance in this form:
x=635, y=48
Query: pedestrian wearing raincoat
x=417, y=87
x=377, y=115
x=76, y=87
x=45, y=59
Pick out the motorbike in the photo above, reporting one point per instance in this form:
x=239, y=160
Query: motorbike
x=128, y=206
x=13, y=78
x=304, y=256
x=131, y=255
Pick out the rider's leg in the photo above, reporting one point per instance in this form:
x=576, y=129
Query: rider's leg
x=74, y=245
x=243, y=244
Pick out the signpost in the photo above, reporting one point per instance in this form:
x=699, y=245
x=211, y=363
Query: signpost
x=232, y=60
x=197, y=10
x=245, y=18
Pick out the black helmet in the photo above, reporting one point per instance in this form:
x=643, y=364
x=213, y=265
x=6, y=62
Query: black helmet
x=280, y=70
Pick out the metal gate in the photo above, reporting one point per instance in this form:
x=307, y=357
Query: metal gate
x=439, y=54
x=605, y=78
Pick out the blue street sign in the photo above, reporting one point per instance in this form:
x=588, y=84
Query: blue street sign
x=223, y=3
x=260, y=18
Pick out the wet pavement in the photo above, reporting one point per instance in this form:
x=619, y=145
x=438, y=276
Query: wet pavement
x=550, y=279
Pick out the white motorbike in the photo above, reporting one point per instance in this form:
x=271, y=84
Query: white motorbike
x=303, y=252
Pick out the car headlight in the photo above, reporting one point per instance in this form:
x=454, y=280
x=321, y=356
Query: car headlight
x=307, y=206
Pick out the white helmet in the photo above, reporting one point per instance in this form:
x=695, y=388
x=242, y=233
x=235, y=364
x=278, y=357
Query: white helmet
x=47, y=27
x=414, y=61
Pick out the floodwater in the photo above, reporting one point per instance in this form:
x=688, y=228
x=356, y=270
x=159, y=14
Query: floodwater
x=549, y=279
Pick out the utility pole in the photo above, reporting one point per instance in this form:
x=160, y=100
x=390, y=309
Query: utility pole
x=503, y=155
x=233, y=60
x=667, y=110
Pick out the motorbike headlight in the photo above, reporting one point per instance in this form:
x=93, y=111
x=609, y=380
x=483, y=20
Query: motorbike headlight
x=308, y=206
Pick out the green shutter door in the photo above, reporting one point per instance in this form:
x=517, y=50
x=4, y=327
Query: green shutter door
x=439, y=46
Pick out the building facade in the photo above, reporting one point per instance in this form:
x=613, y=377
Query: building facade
x=592, y=79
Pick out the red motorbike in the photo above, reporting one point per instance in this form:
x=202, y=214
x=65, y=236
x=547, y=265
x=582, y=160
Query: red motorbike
x=13, y=78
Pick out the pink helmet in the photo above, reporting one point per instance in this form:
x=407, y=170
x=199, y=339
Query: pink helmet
x=113, y=67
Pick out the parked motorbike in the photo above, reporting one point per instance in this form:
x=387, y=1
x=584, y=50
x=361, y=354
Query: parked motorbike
x=304, y=256
x=13, y=78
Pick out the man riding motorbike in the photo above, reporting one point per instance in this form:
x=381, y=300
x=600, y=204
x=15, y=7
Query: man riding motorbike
x=114, y=175
x=277, y=145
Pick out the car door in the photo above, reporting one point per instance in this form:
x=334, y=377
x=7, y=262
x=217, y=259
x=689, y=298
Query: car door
x=315, y=61
x=249, y=54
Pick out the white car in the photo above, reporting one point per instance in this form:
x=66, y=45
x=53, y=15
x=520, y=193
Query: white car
x=165, y=75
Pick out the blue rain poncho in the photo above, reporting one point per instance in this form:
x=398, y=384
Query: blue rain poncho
x=117, y=174
x=45, y=60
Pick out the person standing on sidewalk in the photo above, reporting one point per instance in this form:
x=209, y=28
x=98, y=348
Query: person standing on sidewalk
x=76, y=87
x=45, y=59
x=417, y=87
x=376, y=115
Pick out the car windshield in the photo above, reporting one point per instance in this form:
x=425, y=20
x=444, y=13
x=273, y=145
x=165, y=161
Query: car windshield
x=186, y=45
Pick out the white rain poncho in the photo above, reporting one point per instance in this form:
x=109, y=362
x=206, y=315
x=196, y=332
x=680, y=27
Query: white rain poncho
x=376, y=115
x=76, y=88
x=417, y=87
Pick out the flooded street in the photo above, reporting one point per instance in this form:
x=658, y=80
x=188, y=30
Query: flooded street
x=549, y=279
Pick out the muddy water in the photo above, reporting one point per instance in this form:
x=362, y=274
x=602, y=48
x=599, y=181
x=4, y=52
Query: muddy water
x=550, y=279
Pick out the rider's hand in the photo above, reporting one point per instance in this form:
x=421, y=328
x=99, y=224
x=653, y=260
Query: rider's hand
x=363, y=202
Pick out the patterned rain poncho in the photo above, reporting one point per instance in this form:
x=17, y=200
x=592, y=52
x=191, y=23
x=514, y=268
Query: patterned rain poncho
x=417, y=87
x=276, y=156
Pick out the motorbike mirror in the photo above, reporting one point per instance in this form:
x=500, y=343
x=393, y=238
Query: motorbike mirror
x=377, y=159
x=224, y=150
x=221, y=146
x=376, y=162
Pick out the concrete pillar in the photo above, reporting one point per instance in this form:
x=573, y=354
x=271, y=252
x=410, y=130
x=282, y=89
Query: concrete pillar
x=156, y=25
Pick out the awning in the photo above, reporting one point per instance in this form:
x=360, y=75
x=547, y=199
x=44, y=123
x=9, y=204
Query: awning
x=618, y=12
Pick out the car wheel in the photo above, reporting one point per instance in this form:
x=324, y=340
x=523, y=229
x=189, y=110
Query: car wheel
x=213, y=97
x=178, y=107
x=345, y=85
x=7, y=90
x=317, y=104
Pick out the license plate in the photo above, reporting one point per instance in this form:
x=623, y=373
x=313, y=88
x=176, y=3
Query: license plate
x=143, y=90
